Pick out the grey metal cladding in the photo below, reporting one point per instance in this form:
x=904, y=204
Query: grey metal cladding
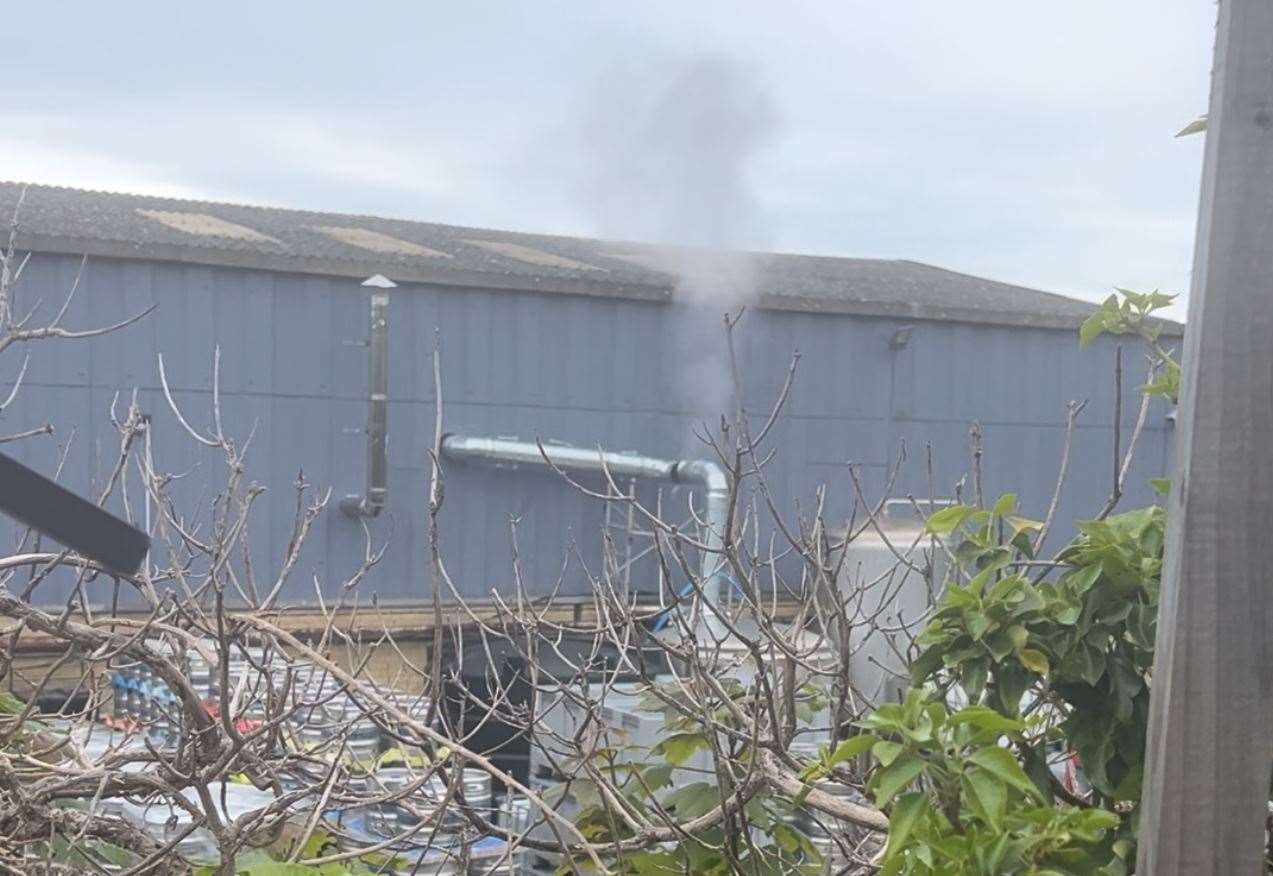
x=587, y=370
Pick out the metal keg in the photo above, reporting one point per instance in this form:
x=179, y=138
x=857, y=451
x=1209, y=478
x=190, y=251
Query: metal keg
x=514, y=813
x=514, y=817
x=827, y=833
x=200, y=673
x=356, y=788
x=387, y=818
x=416, y=707
x=125, y=697
x=363, y=741
x=384, y=819
x=423, y=799
x=495, y=866
x=313, y=737
x=244, y=678
x=477, y=792
x=165, y=822
x=476, y=785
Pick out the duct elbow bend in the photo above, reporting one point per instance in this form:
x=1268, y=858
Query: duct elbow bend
x=705, y=472
x=363, y=506
x=716, y=484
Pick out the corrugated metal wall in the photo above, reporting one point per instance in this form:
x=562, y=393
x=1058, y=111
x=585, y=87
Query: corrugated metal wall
x=619, y=373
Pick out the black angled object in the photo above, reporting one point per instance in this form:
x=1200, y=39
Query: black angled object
x=49, y=508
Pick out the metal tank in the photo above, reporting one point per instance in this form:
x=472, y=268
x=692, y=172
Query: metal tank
x=889, y=578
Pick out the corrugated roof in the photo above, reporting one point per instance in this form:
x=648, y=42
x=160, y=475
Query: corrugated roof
x=202, y=224
x=365, y=238
x=77, y=221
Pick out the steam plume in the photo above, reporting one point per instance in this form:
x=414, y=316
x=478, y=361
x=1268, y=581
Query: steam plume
x=671, y=156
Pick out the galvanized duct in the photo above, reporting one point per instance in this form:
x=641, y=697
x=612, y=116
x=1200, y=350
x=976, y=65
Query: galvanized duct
x=709, y=475
x=371, y=503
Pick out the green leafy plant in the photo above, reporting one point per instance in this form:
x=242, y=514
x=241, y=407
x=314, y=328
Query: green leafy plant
x=1128, y=312
x=1048, y=666
x=962, y=803
x=1022, y=662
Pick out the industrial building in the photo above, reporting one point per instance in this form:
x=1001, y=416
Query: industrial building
x=582, y=341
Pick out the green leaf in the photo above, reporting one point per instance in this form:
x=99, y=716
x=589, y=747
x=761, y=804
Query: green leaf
x=888, y=716
x=397, y=755
x=680, y=747
x=1021, y=541
x=650, y=863
x=986, y=719
x=1000, y=763
x=947, y=520
x=999, y=644
x=1067, y=610
x=906, y=814
x=786, y=837
x=317, y=842
x=658, y=775
x=886, y=752
x=1081, y=581
x=693, y=800
x=973, y=679
x=988, y=796
x=1092, y=663
x=977, y=625
x=896, y=777
x=1130, y=787
x=977, y=586
x=1034, y=660
x=1162, y=486
x=1022, y=524
x=994, y=559
x=1006, y=588
x=1141, y=625
x=850, y=748
x=1197, y=126
x=275, y=868
x=927, y=663
x=1011, y=683
x=1096, y=819
x=1092, y=327
x=1006, y=504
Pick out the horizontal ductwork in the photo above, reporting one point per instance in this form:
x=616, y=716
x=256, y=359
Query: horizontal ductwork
x=514, y=453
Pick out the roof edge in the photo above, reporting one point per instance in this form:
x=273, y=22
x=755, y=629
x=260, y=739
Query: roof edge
x=938, y=313
x=286, y=263
x=598, y=287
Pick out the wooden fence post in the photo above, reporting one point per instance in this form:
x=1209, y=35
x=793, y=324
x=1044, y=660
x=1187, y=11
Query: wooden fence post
x=1210, y=737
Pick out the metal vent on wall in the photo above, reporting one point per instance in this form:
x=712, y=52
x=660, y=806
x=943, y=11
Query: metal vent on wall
x=373, y=501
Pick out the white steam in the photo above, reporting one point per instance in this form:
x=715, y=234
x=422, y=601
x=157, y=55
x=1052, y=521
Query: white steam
x=671, y=152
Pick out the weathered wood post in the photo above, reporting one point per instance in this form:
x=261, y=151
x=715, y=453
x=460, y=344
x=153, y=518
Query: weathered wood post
x=1210, y=736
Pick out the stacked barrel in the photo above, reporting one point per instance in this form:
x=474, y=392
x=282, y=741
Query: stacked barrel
x=393, y=793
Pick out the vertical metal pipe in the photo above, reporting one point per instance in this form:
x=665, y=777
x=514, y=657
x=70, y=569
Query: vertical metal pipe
x=716, y=518
x=373, y=501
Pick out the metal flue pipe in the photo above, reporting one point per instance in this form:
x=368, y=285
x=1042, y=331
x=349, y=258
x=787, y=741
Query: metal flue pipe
x=372, y=502
x=705, y=473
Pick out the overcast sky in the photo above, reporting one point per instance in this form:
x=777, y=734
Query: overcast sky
x=1021, y=141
